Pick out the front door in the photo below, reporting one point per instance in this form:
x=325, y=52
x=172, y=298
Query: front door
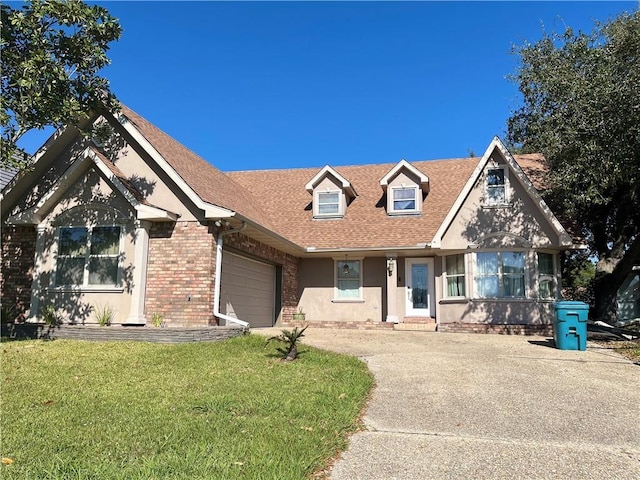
x=419, y=287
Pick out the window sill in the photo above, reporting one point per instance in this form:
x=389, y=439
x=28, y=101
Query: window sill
x=504, y=300
x=347, y=300
x=446, y=301
x=85, y=289
x=488, y=206
x=328, y=217
x=405, y=213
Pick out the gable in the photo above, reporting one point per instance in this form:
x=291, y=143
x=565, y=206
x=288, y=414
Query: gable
x=516, y=216
x=88, y=191
x=204, y=185
x=409, y=171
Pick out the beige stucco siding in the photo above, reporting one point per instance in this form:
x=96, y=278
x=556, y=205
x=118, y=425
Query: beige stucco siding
x=47, y=181
x=153, y=184
x=520, y=218
x=316, y=292
x=90, y=201
x=523, y=312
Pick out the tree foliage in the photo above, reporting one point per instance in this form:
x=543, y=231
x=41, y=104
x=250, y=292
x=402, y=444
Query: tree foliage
x=581, y=109
x=52, y=52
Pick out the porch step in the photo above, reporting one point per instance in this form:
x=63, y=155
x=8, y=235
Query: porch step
x=415, y=327
x=418, y=320
x=423, y=324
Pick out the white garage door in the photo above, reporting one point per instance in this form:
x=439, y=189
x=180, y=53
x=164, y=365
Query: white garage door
x=248, y=290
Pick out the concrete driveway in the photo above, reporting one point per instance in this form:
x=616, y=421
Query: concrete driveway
x=489, y=406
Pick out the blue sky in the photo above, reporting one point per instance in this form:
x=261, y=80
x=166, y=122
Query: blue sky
x=257, y=85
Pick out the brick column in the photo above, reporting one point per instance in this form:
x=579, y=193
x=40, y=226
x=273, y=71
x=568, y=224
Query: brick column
x=180, y=273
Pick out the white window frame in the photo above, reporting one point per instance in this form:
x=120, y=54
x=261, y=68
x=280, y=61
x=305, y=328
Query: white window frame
x=416, y=197
x=487, y=197
x=85, y=285
x=317, y=204
x=501, y=275
x=338, y=264
x=445, y=276
x=554, y=276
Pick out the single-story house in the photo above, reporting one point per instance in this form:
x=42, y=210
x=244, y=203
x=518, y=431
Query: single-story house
x=137, y=222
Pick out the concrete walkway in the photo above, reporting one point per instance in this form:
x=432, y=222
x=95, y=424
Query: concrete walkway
x=465, y=406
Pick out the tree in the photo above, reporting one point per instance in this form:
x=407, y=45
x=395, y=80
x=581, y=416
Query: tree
x=581, y=109
x=52, y=52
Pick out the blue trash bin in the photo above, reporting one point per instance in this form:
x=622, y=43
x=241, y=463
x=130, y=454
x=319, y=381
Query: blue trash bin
x=570, y=325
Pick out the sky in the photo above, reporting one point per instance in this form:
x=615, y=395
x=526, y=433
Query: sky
x=269, y=85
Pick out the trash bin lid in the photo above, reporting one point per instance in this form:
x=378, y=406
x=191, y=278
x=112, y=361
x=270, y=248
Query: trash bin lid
x=571, y=305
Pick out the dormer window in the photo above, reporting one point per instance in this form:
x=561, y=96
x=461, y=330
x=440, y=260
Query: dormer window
x=329, y=203
x=496, y=186
x=405, y=186
x=331, y=192
x=404, y=199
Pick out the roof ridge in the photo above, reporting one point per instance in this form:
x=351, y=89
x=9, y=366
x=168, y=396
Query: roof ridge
x=362, y=165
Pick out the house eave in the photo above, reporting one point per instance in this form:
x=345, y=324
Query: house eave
x=321, y=250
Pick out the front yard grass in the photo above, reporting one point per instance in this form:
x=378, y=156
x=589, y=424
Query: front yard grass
x=129, y=410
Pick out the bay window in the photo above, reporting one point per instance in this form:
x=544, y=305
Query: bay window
x=454, y=276
x=500, y=275
x=546, y=276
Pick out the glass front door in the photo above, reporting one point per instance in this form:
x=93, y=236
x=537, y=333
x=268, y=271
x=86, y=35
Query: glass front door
x=419, y=287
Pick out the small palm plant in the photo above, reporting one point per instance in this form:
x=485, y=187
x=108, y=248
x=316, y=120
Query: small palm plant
x=290, y=339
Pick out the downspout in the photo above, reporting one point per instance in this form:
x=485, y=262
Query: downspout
x=216, y=295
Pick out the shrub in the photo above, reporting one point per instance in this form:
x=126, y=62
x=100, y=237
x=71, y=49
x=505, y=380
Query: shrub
x=50, y=315
x=290, y=339
x=104, y=314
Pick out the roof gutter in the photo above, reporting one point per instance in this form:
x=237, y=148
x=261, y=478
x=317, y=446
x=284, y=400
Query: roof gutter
x=217, y=281
x=419, y=246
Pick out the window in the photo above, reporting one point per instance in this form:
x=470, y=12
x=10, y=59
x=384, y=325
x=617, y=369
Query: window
x=546, y=276
x=404, y=199
x=496, y=187
x=348, y=279
x=454, y=276
x=500, y=275
x=88, y=256
x=328, y=203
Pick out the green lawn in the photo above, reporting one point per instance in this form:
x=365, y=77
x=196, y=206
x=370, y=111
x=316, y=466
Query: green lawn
x=89, y=410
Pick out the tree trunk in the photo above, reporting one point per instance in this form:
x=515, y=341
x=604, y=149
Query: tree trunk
x=293, y=353
x=611, y=272
x=606, y=294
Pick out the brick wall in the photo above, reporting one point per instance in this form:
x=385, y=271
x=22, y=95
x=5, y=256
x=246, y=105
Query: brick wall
x=513, y=329
x=16, y=275
x=180, y=273
x=289, y=264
